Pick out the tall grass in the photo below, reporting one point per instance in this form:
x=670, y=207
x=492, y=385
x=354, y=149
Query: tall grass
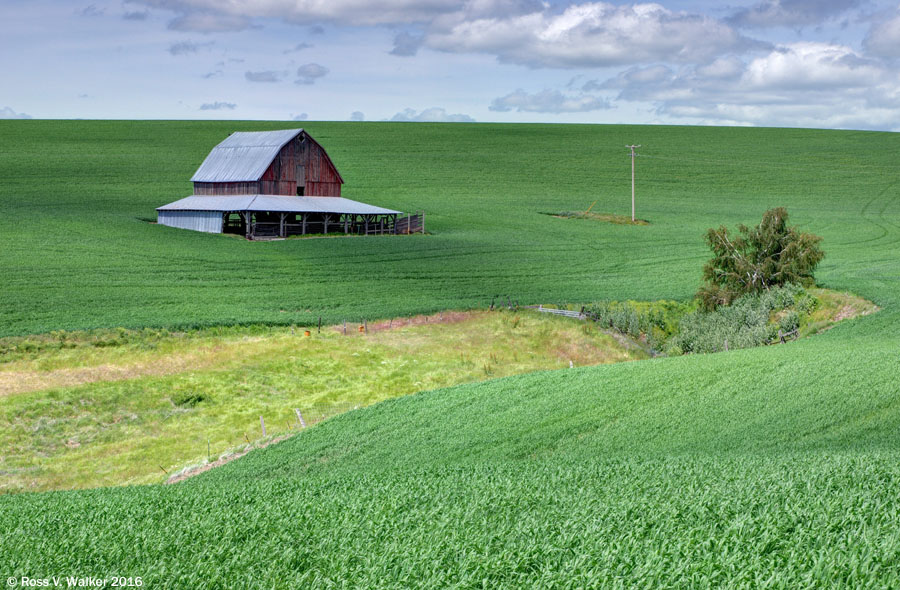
x=83, y=410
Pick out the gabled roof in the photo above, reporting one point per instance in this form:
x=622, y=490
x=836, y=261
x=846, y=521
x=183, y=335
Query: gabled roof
x=275, y=203
x=244, y=156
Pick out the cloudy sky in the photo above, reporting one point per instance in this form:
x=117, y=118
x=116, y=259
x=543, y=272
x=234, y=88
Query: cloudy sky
x=797, y=63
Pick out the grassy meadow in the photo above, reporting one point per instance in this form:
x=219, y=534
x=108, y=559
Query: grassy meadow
x=771, y=467
x=85, y=410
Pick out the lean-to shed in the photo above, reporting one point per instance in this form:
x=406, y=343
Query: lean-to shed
x=272, y=184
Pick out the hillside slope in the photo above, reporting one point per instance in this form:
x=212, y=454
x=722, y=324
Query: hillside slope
x=741, y=469
x=79, y=253
x=776, y=467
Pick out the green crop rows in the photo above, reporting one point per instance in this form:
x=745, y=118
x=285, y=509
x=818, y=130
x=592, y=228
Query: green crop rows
x=774, y=467
x=77, y=252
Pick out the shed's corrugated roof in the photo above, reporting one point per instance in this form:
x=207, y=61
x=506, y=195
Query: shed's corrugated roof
x=275, y=203
x=243, y=156
x=212, y=203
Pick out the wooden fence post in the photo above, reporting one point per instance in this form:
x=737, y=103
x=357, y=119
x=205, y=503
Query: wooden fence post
x=300, y=417
x=263, y=424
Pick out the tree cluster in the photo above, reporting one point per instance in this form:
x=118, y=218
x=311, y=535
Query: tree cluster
x=757, y=259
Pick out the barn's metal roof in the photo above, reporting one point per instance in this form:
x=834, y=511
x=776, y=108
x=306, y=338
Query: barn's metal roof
x=243, y=156
x=275, y=203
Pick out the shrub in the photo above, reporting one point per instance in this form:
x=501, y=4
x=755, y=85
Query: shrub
x=743, y=324
x=759, y=258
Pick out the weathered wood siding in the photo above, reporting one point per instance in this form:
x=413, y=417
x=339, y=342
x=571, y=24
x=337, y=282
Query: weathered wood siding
x=320, y=177
x=226, y=188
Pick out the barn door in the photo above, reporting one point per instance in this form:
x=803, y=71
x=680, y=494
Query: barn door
x=301, y=179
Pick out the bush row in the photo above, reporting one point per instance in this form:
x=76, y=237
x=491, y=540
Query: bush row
x=677, y=328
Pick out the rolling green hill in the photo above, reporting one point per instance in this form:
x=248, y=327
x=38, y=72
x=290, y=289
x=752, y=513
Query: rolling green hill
x=742, y=469
x=77, y=252
x=773, y=467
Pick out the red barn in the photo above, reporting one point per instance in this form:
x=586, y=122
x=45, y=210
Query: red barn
x=268, y=184
x=287, y=162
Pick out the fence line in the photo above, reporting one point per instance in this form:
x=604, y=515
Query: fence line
x=578, y=315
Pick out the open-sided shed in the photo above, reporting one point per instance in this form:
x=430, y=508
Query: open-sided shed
x=276, y=215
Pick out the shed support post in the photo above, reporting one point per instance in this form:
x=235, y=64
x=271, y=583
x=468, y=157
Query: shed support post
x=303, y=230
x=325, y=219
x=281, y=226
x=346, y=221
x=247, y=229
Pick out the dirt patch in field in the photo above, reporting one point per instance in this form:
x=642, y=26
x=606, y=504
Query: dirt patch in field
x=447, y=317
x=603, y=217
x=846, y=313
x=12, y=382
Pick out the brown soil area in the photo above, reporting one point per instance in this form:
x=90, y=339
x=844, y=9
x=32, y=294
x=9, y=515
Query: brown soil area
x=447, y=317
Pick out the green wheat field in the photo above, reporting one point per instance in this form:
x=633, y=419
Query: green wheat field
x=774, y=467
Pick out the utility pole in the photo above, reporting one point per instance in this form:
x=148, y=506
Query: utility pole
x=632, y=178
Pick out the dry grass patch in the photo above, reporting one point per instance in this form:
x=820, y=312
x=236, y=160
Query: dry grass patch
x=150, y=405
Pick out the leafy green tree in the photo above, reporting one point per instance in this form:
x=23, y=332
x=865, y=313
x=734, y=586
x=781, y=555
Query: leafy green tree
x=758, y=258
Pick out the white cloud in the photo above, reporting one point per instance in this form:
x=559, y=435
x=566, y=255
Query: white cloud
x=593, y=34
x=217, y=106
x=309, y=73
x=350, y=12
x=432, y=115
x=884, y=38
x=799, y=84
x=529, y=32
x=8, y=113
x=265, y=76
x=724, y=68
x=791, y=13
x=548, y=101
x=811, y=66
